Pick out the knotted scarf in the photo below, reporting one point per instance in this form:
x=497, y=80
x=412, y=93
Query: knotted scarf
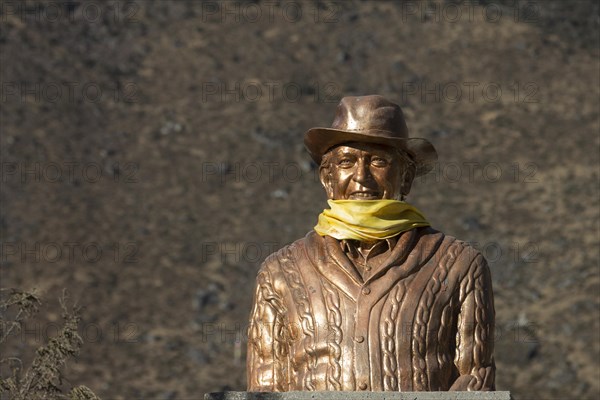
x=368, y=220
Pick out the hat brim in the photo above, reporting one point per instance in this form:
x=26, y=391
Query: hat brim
x=319, y=140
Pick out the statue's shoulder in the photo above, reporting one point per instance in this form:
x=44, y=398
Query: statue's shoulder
x=292, y=252
x=462, y=251
x=277, y=268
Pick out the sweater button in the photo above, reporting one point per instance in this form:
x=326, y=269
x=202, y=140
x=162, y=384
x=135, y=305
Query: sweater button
x=366, y=291
x=359, y=339
x=363, y=386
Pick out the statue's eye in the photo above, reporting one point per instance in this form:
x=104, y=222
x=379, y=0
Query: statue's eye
x=345, y=162
x=379, y=162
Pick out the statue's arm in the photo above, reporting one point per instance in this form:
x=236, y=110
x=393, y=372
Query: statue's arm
x=267, y=360
x=474, y=357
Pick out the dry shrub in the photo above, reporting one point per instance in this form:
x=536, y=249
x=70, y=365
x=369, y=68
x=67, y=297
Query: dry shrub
x=42, y=379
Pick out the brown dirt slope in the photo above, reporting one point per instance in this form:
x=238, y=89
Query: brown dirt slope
x=152, y=157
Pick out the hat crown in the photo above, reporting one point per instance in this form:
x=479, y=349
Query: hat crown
x=370, y=113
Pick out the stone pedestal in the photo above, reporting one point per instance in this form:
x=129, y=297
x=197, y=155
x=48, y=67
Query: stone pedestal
x=359, y=396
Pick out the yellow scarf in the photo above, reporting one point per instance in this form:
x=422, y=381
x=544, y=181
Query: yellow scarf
x=368, y=219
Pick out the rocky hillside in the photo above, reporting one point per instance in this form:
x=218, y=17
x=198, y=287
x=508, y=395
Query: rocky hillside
x=152, y=157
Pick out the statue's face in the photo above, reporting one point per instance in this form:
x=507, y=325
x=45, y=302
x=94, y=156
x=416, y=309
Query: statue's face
x=363, y=171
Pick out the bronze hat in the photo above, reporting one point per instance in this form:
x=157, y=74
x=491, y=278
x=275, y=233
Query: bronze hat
x=371, y=119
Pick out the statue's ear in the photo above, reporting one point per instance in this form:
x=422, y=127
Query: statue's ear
x=325, y=178
x=408, y=177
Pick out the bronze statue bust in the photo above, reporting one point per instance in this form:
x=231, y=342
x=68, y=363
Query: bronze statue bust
x=373, y=299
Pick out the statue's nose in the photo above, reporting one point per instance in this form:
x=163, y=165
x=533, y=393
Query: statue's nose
x=363, y=173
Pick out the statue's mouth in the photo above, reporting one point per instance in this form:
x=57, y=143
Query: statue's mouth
x=364, y=195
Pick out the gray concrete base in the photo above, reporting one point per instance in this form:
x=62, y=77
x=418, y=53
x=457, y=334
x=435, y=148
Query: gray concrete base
x=359, y=396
